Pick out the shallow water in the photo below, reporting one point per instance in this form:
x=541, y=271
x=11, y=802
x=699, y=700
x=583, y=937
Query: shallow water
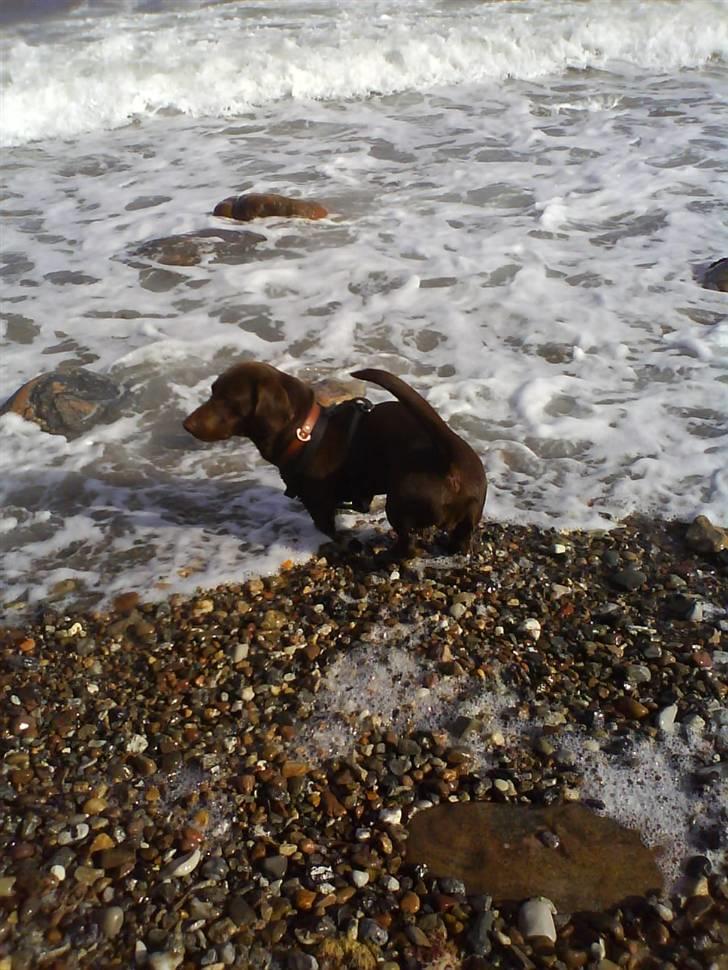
x=522, y=195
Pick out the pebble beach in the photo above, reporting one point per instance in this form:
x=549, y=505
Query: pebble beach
x=224, y=744
x=227, y=779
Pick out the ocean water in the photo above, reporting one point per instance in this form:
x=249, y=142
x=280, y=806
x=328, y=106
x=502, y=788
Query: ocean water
x=522, y=196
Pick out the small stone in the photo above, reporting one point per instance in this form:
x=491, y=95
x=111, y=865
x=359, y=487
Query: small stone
x=87, y=875
x=359, y=877
x=241, y=912
x=6, y=886
x=638, y=674
x=181, y=865
x=371, y=932
x=165, y=960
x=531, y=627
x=111, y=921
x=631, y=708
x=301, y=961
x=416, y=936
x=125, y=603
x=117, y=855
x=478, y=936
x=136, y=744
x=274, y=866
x=94, y=806
x=273, y=620
x=24, y=726
x=693, y=724
x=304, y=899
x=410, y=902
x=666, y=718
x=536, y=920
x=458, y=610
x=332, y=805
x=628, y=579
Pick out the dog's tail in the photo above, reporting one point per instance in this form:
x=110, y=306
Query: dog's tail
x=450, y=445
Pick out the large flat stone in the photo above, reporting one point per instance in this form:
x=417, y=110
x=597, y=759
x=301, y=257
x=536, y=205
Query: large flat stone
x=67, y=403
x=228, y=246
x=505, y=851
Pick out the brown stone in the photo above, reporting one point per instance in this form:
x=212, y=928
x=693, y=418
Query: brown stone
x=117, y=855
x=496, y=849
x=126, y=602
x=293, y=769
x=304, y=899
x=631, y=708
x=703, y=536
x=24, y=726
x=409, y=903
x=332, y=805
x=255, y=205
x=66, y=403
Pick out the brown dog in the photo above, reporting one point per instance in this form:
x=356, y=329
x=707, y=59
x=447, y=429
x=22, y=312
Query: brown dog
x=350, y=453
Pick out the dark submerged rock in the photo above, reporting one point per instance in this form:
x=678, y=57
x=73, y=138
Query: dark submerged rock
x=221, y=245
x=716, y=276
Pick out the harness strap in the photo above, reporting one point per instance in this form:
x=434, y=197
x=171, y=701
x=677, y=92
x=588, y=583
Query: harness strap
x=297, y=459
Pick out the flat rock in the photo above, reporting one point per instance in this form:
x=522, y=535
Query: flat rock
x=332, y=391
x=67, y=403
x=499, y=850
x=226, y=246
x=716, y=276
x=255, y=205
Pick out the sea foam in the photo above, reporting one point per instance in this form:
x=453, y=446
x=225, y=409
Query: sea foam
x=224, y=61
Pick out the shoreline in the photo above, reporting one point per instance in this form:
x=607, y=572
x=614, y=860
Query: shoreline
x=169, y=786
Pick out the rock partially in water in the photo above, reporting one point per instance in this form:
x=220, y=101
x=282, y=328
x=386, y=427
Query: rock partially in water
x=222, y=245
x=331, y=391
x=716, y=276
x=703, y=536
x=244, y=208
x=498, y=850
x=67, y=403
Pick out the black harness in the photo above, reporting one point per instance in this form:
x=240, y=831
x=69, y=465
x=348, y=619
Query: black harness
x=356, y=408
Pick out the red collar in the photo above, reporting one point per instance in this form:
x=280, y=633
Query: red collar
x=303, y=435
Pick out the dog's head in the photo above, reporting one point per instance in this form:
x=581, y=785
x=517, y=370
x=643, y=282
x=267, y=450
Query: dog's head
x=253, y=400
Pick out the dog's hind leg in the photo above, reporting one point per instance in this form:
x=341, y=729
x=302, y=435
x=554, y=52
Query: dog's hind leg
x=323, y=515
x=461, y=538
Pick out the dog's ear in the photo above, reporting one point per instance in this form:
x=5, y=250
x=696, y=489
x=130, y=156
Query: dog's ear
x=272, y=403
x=283, y=398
